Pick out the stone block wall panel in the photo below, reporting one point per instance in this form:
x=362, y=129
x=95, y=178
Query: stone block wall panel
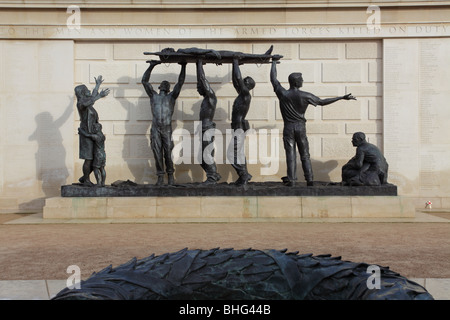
x=37, y=118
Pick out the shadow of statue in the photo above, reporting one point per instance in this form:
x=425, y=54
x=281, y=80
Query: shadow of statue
x=141, y=169
x=50, y=158
x=267, y=160
x=322, y=169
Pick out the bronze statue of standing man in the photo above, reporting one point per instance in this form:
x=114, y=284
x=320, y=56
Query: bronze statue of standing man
x=239, y=124
x=293, y=105
x=207, y=111
x=163, y=104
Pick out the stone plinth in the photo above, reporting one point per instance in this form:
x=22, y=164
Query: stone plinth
x=129, y=189
x=226, y=203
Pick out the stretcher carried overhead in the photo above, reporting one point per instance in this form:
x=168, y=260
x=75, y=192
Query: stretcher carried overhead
x=192, y=55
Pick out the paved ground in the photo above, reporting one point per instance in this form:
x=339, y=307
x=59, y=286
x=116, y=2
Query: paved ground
x=42, y=252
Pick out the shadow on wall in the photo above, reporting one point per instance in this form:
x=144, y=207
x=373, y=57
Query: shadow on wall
x=321, y=170
x=50, y=158
x=139, y=168
x=143, y=170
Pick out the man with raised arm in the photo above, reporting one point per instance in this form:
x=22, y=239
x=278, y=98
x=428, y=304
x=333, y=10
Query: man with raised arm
x=293, y=105
x=239, y=125
x=207, y=111
x=163, y=104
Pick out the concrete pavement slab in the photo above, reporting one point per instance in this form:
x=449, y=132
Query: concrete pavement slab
x=23, y=290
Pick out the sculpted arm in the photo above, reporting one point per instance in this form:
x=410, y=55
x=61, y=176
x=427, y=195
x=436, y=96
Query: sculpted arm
x=84, y=133
x=201, y=80
x=87, y=101
x=359, y=158
x=181, y=78
x=273, y=74
x=324, y=102
x=98, y=82
x=146, y=77
x=238, y=82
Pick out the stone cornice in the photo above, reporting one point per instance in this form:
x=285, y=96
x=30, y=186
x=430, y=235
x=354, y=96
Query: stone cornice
x=205, y=4
x=225, y=32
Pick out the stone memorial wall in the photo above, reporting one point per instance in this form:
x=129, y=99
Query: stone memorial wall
x=36, y=121
x=399, y=74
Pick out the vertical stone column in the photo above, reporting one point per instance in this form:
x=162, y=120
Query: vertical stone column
x=401, y=111
x=416, y=112
x=434, y=115
x=36, y=121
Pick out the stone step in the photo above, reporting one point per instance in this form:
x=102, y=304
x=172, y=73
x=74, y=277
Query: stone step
x=224, y=208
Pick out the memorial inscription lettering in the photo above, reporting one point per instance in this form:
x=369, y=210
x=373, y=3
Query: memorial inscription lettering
x=225, y=32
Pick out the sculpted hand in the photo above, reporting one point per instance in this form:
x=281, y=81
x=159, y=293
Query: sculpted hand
x=154, y=62
x=99, y=80
x=81, y=131
x=276, y=59
x=238, y=55
x=348, y=97
x=104, y=92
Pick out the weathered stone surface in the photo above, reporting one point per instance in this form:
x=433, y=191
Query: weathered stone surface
x=225, y=189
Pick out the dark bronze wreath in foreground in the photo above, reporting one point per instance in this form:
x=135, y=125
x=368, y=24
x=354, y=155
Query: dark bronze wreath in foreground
x=218, y=274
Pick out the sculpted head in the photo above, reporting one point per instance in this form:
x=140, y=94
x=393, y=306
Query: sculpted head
x=97, y=127
x=358, y=138
x=82, y=91
x=164, y=86
x=249, y=83
x=295, y=80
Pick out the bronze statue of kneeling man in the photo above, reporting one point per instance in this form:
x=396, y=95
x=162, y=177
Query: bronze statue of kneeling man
x=368, y=167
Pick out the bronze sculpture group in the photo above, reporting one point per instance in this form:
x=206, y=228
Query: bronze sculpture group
x=91, y=137
x=368, y=167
